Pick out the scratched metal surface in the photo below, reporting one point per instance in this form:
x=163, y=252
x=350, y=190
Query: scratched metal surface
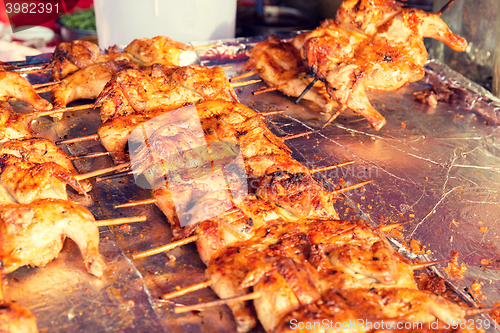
x=439, y=171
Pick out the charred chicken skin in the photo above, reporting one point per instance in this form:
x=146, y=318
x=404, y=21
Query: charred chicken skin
x=385, y=60
x=33, y=234
x=35, y=168
x=70, y=57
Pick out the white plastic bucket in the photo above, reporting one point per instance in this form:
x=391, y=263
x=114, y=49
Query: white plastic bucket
x=121, y=21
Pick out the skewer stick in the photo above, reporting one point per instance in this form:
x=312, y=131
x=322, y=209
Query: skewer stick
x=268, y=89
x=44, y=89
x=429, y=264
x=165, y=248
x=122, y=220
x=175, y=244
x=136, y=203
x=80, y=139
x=46, y=84
x=34, y=70
x=66, y=109
x=244, y=83
x=247, y=297
x=309, y=86
x=473, y=312
x=101, y=171
x=91, y=155
x=20, y=67
x=294, y=136
x=329, y=167
x=243, y=76
x=334, y=116
x=445, y=7
x=351, y=187
x=187, y=290
x=115, y=175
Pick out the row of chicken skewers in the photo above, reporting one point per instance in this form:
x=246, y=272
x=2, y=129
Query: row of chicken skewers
x=283, y=240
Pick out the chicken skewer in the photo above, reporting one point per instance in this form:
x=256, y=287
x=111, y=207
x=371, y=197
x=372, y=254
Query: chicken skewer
x=389, y=54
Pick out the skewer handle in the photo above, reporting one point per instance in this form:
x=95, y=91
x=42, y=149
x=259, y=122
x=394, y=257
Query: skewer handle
x=101, y=171
x=165, y=248
x=136, y=203
x=80, y=139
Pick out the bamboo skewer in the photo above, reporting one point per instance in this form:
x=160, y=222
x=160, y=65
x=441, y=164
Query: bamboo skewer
x=429, y=264
x=44, y=89
x=115, y=175
x=299, y=135
x=389, y=227
x=246, y=297
x=351, y=187
x=244, y=83
x=165, y=248
x=101, y=171
x=80, y=139
x=268, y=89
x=243, y=76
x=334, y=116
x=66, y=109
x=90, y=155
x=136, y=203
x=187, y=290
x=46, y=84
x=122, y=220
x=329, y=167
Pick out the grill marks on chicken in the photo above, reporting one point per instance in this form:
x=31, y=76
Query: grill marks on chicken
x=35, y=168
x=70, y=57
x=391, y=55
x=33, y=234
x=132, y=91
x=279, y=65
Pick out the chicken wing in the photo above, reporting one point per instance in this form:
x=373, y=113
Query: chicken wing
x=34, y=234
x=14, y=85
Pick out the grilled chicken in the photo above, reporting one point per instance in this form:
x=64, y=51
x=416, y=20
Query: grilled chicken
x=14, y=85
x=340, y=308
x=34, y=234
x=40, y=157
x=86, y=83
x=279, y=65
x=14, y=125
x=132, y=91
x=71, y=56
x=385, y=61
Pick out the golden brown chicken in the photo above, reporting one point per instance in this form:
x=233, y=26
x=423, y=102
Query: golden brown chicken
x=34, y=234
x=279, y=65
x=387, y=60
x=86, y=83
x=14, y=125
x=71, y=56
x=132, y=91
x=42, y=157
x=14, y=85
